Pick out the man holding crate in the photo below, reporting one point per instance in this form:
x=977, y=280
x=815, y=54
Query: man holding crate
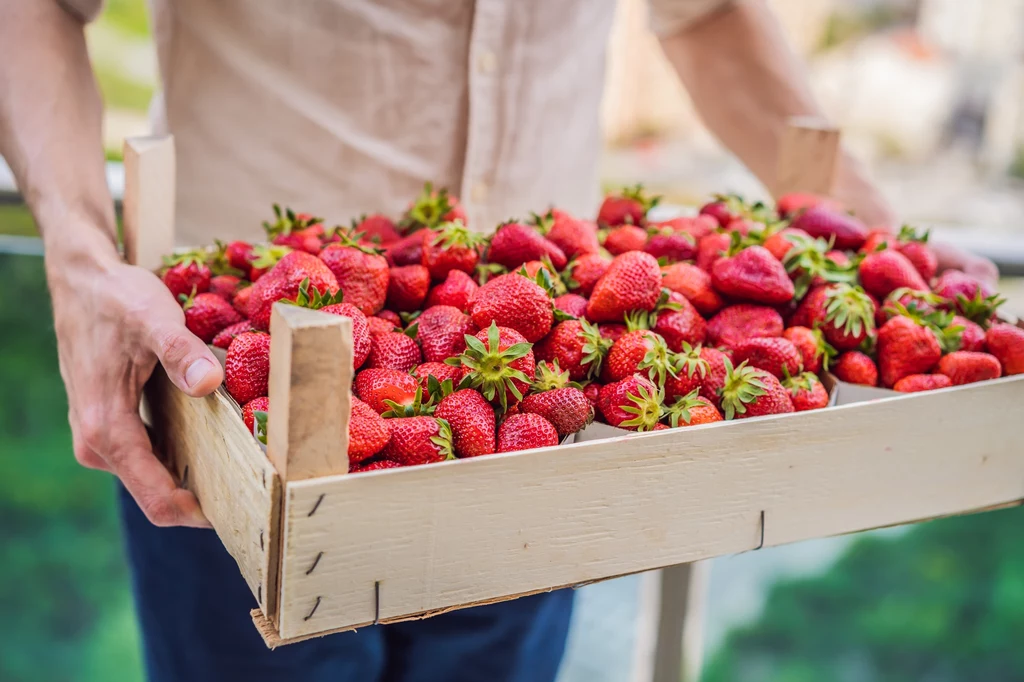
x=336, y=107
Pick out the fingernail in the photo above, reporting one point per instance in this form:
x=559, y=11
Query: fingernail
x=197, y=371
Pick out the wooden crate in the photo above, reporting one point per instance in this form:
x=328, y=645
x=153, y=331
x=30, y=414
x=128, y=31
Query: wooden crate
x=324, y=551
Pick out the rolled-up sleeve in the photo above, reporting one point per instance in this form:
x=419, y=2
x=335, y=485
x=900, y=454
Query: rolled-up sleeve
x=83, y=10
x=668, y=17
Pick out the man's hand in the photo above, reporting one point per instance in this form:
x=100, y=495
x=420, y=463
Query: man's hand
x=113, y=323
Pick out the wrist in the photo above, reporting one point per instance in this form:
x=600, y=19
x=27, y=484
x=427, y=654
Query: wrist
x=78, y=249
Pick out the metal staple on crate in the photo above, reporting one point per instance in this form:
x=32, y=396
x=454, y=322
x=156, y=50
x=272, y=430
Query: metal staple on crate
x=315, y=562
x=316, y=506
x=760, y=545
x=313, y=610
x=376, y=603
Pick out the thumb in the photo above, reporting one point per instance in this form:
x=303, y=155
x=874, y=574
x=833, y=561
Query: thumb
x=188, y=361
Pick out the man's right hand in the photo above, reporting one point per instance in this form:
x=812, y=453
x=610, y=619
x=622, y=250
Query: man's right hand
x=114, y=322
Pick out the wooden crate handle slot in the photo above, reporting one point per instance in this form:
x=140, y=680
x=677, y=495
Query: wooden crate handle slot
x=149, y=193
x=310, y=380
x=808, y=154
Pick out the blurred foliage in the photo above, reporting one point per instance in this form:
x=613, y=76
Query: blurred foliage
x=15, y=219
x=844, y=26
x=128, y=16
x=1017, y=167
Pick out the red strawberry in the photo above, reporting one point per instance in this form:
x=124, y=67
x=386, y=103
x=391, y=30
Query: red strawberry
x=515, y=302
x=753, y=274
x=847, y=232
x=440, y=371
x=967, y=367
x=694, y=284
x=456, y=290
x=441, y=331
x=806, y=391
x=626, y=238
x=566, y=408
x=368, y=433
x=777, y=356
x=679, y=323
x=240, y=301
x=378, y=325
x=526, y=432
x=472, y=422
x=418, y=440
x=627, y=207
x=249, y=410
x=360, y=330
x=714, y=378
x=376, y=387
x=264, y=259
x=431, y=208
x=514, y=244
x=855, y=367
x=1006, y=342
x=724, y=209
x=407, y=287
x=393, y=350
x=743, y=321
x=695, y=226
x=632, y=403
x=692, y=410
x=500, y=364
x=790, y=204
x=239, y=255
x=585, y=271
x=843, y=312
x=670, y=246
x=282, y=283
x=633, y=282
x=612, y=331
x=223, y=339
x=883, y=272
x=391, y=316
x=592, y=391
x=299, y=231
x=962, y=291
x=186, y=274
x=362, y=274
x=972, y=337
x=573, y=236
x=247, y=366
x=815, y=352
x=407, y=250
x=631, y=350
x=915, y=383
x=782, y=242
x=915, y=247
x=450, y=247
x=374, y=465
x=377, y=229
x=572, y=305
x=905, y=348
x=206, y=315
x=576, y=346
x=711, y=248
x=688, y=371
x=224, y=286
x=752, y=392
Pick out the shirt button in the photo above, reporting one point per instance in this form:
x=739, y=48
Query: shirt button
x=479, y=193
x=487, y=62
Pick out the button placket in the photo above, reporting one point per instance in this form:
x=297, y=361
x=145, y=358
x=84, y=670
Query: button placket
x=483, y=82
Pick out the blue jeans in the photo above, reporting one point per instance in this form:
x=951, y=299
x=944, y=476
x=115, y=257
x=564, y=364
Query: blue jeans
x=193, y=608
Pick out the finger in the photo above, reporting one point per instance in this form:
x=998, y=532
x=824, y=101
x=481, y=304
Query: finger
x=188, y=361
x=84, y=454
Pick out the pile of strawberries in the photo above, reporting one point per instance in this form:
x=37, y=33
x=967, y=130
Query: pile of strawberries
x=466, y=345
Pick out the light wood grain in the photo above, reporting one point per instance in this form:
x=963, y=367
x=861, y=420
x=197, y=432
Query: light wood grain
x=310, y=382
x=808, y=153
x=148, y=200
x=458, y=533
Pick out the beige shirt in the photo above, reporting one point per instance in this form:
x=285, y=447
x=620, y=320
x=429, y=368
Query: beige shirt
x=340, y=107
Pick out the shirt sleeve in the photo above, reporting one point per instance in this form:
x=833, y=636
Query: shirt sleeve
x=668, y=17
x=83, y=10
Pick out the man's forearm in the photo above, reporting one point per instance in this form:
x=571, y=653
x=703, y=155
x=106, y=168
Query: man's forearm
x=50, y=128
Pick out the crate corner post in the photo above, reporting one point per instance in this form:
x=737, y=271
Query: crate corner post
x=149, y=196
x=808, y=157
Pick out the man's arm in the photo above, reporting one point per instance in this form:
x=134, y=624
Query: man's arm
x=113, y=321
x=746, y=84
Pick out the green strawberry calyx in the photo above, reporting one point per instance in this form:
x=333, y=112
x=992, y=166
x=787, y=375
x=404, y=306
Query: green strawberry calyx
x=801, y=382
x=490, y=368
x=443, y=439
x=287, y=221
x=259, y=425
x=658, y=361
x=595, y=348
x=427, y=210
x=312, y=298
x=417, y=408
x=646, y=406
x=849, y=308
x=267, y=255
x=809, y=260
x=549, y=376
x=680, y=409
x=455, y=234
x=743, y=385
x=980, y=309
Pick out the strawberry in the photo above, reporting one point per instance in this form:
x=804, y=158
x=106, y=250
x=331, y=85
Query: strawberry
x=967, y=296
x=710, y=249
x=299, y=231
x=360, y=330
x=612, y=331
x=883, y=272
x=361, y=272
x=418, y=440
x=626, y=238
x=407, y=250
x=431, y=208
x=966, y=367
x=633, y=403
x=441, y=331
x=687, y=372
x=566, y=408
x=186, y=274
x=377, y=229
x=378, y=325
x=632, y=282
x=1006, y=342
x=679, y=323
x=793, y=203
x=515, y=302
x=916, y=383
x=514, y=244
x=843, y=312
x=627, y=207
x=743, y=321
x=694, y=284
x=472, y=422
x=379, y=387
x=855, y=367
x=500, y=364
x=777, y=356
x=576, y=346
x=592, y=391
x=752, y=392
x=407, y=287
x=450, y=247
x=239, y=255
x=845, y=231
x=265, y=257
x=247, y=366
x=811, y=264
x=224, y=337
x=972, y=336
x=439, y=371
x=781, y=243
x=240, y=301
x=714, y=379
x=695, y=226
x=584, y=272
x=904, y=348
x=456, y=290
x=373, y=465
x=393, y=350
x=917, y=302
x=572, y=305
x=206, y=315
x=526, y=432
x=815, y=352
x=573, y=236
x=914, y=245
x=224, y=286
x=632, y=349
x=724, y=209
x=692, y=410
x=806, y=391
x=391, y=316
x=368, y=433
x=669, y=246
x=249, y=410
x=282, y=283
x=753, y=274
